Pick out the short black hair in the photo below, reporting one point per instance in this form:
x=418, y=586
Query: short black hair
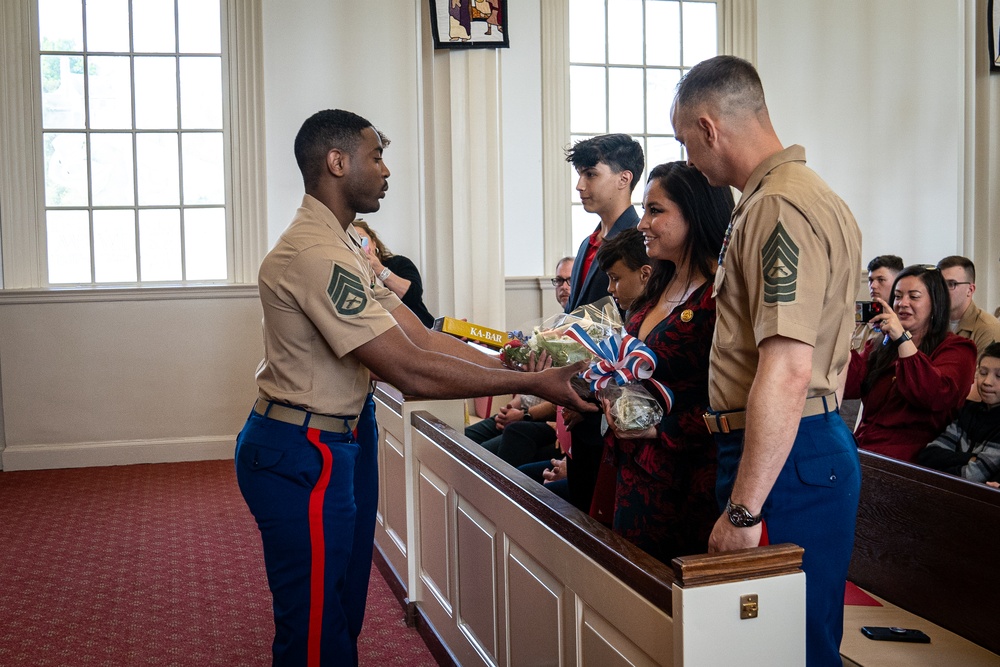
x=992, y=350
x=952, y=261
x=619, y=151
x=891, y=262
x=627, y=246
x=729, y=82
x=320, y=134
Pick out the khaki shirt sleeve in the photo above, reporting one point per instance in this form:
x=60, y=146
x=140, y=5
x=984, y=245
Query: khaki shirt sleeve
x=336, y=294
x=786, y=270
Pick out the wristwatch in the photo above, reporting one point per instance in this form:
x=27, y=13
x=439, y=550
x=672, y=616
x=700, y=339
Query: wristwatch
x=740, y=516
x=527, y=416
x=905, y=336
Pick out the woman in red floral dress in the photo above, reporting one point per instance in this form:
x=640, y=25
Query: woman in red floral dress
x=665, y=495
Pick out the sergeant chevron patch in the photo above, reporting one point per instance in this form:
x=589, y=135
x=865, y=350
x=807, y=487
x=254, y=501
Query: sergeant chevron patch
x=346, y=291
x=780, y=264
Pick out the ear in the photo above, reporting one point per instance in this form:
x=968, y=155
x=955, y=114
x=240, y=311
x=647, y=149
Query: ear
x=337, y=162
x=645, y=271
x=972, y=288
x=708, y=129
x=625, y=179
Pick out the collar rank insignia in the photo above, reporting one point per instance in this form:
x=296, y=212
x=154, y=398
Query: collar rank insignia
x=346, y=291
x=780, y=264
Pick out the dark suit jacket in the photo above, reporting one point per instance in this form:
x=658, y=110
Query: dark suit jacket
x=594, y=285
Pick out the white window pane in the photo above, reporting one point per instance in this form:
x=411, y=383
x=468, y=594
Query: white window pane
x=160, y=244
x=201, y=93
x=114, y=247
x=586, y=29
x=205, y=244
x=153, y=26
x=203, y=168
x=625, y=32
x=587, y=100
x=155, y=93
x=65, y=169
x=60, y=25
x=107, y=25
x=662, y=149
x=663, y=32
x=701, y=32
x=62, y=92
x=157, y=169
x=625, y=96
x=660, y=87
x=199, y=24
x=110, y=92
x=68, y=242
x=583, y=224
x=111, y=170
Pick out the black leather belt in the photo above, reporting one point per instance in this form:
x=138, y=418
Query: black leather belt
x=724, y=422
x=299, y=417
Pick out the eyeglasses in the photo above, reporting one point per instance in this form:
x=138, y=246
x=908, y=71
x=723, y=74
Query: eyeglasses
x=952, y=284
x=559, y=282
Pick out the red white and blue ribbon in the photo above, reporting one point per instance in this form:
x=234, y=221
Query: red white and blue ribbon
x=620, y=359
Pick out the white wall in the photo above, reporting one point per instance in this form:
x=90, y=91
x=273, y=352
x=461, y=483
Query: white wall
x=359, y=56
x=521, y=72
x=874, y=90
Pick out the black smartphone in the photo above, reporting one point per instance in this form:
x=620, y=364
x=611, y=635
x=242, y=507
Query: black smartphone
x=864, y=311
x=895, y=634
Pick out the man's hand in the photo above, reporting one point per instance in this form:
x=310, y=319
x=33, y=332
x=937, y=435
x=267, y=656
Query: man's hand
x=507, y=415
x=556, y=472
x=727, y=537
x=554, y=385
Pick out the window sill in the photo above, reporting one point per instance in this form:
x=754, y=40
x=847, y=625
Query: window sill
x=122, y=294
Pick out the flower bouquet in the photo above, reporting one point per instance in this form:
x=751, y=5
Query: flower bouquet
x=599, y=319
x=621, y=362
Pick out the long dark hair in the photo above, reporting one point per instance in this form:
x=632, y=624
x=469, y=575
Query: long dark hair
x=882, y=357
x=706, y=209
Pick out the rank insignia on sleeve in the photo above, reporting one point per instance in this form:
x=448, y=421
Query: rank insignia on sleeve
x=346, y=291
x=780, y=265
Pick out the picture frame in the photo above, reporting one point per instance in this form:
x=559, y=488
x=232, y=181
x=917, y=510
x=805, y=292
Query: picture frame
x=469, y=24
x=993, y=19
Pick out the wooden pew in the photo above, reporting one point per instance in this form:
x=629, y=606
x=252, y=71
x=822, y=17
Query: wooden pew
x=928, y=543
x=495, y=569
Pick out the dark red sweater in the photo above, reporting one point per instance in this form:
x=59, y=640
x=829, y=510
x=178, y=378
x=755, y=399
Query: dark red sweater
x=911, y=404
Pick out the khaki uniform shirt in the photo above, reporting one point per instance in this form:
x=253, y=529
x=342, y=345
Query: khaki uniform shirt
x=864, y=332
x=791, y=268
x=321, y=300
x=980, y=326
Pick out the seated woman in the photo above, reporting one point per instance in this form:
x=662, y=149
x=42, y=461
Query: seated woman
x=970, y=446
x=397, y=273
x=665, y=495
x=913, y=382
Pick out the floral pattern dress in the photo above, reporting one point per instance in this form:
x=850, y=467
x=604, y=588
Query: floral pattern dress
x=665, y=495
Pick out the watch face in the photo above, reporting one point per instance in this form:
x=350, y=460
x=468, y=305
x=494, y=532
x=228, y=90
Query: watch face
x=741, y=517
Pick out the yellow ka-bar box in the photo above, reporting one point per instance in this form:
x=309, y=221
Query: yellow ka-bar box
x=461, y=329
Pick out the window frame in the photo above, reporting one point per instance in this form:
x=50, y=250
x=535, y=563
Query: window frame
x=22, y=206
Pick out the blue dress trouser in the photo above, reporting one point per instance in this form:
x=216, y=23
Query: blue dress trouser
x=314, y=495
x=814, y=504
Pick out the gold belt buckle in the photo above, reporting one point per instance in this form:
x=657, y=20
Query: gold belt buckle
x=721, y=423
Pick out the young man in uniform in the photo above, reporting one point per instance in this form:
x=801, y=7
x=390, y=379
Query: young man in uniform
x=785, y=291
x=967, y=319
x=306, y=458
x=609, y=166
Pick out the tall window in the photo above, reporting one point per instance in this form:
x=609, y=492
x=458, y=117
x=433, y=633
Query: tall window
x=626, y=57
x=132, y=141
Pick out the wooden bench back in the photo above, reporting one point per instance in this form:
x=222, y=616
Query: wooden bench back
x=930, y=543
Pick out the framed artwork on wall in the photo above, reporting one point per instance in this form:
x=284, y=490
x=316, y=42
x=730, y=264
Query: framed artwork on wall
x=993, y=18
x=469, y=24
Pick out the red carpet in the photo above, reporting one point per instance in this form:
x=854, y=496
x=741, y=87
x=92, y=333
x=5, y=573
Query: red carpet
x=149, y=565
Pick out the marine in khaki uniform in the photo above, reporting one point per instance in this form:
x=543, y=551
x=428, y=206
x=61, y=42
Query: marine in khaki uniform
x=785, y=289
x=306, y=458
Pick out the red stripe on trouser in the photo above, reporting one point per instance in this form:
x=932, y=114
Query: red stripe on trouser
x=318, y=544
